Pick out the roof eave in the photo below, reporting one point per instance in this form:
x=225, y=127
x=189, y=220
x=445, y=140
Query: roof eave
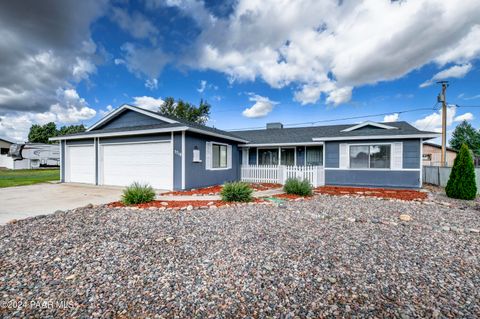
x=376, y=137
x=120, y=133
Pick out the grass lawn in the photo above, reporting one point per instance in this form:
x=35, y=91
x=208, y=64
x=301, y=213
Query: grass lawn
x=22, y=177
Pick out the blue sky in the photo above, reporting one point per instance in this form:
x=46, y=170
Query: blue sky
x=253, y=61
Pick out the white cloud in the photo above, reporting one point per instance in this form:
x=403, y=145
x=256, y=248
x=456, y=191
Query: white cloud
x=69, y=109
x=433, y=122
x=339, y=96
x=148, y=102
x=467, y=98
x=456, y=71
x=151, y=84
x=203, y=86
x=391, y=118
x=262, y=107
x=144, y=61
x=325, y=48
x=136, y=24
x=464, y=117
x=82, y=69
x=107, y=110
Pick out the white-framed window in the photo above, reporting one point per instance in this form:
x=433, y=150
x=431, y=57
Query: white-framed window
x=373, y=156
x=218, y=156
x=314, y=155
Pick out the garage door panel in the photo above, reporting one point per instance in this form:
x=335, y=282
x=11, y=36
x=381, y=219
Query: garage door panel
x=149, y=163
x=81, y=164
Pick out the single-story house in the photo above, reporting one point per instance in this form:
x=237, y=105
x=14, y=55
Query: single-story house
x=133, y=144
x=432, y=155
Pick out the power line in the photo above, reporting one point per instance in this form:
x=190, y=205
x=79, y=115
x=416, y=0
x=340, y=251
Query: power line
x=344, y=119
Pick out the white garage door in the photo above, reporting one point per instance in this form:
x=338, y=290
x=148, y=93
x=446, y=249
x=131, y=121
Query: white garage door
x=80, y=164
x=149, y=163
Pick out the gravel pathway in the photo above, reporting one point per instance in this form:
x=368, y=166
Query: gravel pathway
x=330, y=256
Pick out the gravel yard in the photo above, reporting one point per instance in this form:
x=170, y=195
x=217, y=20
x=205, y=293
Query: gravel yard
x=329, y=256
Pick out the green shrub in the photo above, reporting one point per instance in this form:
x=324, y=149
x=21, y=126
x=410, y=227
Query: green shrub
x=297, y=187
x=137, y=194
x=236, y=192
x=461, y=183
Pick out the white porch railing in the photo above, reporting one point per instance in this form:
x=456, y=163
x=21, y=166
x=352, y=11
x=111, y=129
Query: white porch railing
x=280, y=173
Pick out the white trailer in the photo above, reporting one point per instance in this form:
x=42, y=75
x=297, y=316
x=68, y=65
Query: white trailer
x=34, y=155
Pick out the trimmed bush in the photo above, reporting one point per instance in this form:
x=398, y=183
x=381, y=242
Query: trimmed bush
x=461, y=183
x=297, y=187
x=236, y=192
x=137, y=194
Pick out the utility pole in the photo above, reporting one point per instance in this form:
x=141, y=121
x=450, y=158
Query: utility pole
x=442, y=97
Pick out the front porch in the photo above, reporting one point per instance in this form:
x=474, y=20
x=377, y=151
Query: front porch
x=276, y=164
x=280, y=173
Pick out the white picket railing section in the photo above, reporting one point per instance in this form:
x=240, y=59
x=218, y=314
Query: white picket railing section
x=280, y=173
x=260, y=173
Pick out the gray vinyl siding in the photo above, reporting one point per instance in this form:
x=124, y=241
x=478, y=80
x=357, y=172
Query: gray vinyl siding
x=332, y=154
x=128, y=119
x=372, y=178
x=196, y=175
x=411, y=153
x=177, y=160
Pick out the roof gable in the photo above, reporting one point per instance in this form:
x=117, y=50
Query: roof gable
x=127, y=116
x=369, y=124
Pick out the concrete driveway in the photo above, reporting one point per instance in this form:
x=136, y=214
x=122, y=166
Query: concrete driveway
x=26, y=201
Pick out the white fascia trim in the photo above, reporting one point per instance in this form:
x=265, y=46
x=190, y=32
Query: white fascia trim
x=128, y=107
x=140, y=132
x=366, y=123
x=196, y=130
x=183, y=159
x=281, y=144
x=374, y=137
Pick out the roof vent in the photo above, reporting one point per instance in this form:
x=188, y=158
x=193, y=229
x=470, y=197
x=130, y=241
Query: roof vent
x=276, y=125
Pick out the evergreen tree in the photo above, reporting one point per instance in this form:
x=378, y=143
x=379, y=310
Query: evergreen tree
x=461, y=183
x=464, y=133
x=186, y=111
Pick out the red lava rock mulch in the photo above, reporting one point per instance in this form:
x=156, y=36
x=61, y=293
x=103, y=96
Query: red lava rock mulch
x=403, y=194
x=180, y=204
x=215, y=190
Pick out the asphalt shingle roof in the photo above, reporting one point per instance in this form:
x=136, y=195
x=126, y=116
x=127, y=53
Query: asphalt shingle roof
x=305, y=134
x=270, y=136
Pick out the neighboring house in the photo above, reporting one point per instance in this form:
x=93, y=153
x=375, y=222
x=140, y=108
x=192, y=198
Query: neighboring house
x=5, y=161
x=432, y=155
x=133, y=144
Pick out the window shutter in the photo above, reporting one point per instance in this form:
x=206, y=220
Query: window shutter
x=229, y=156
x=397, y=155
x=208, y=156
x=343, y=156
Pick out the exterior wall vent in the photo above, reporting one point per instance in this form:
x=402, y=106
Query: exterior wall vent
x=276, y=125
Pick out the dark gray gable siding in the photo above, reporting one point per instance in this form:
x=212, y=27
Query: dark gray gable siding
x=195, y=173
x=129, y=118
